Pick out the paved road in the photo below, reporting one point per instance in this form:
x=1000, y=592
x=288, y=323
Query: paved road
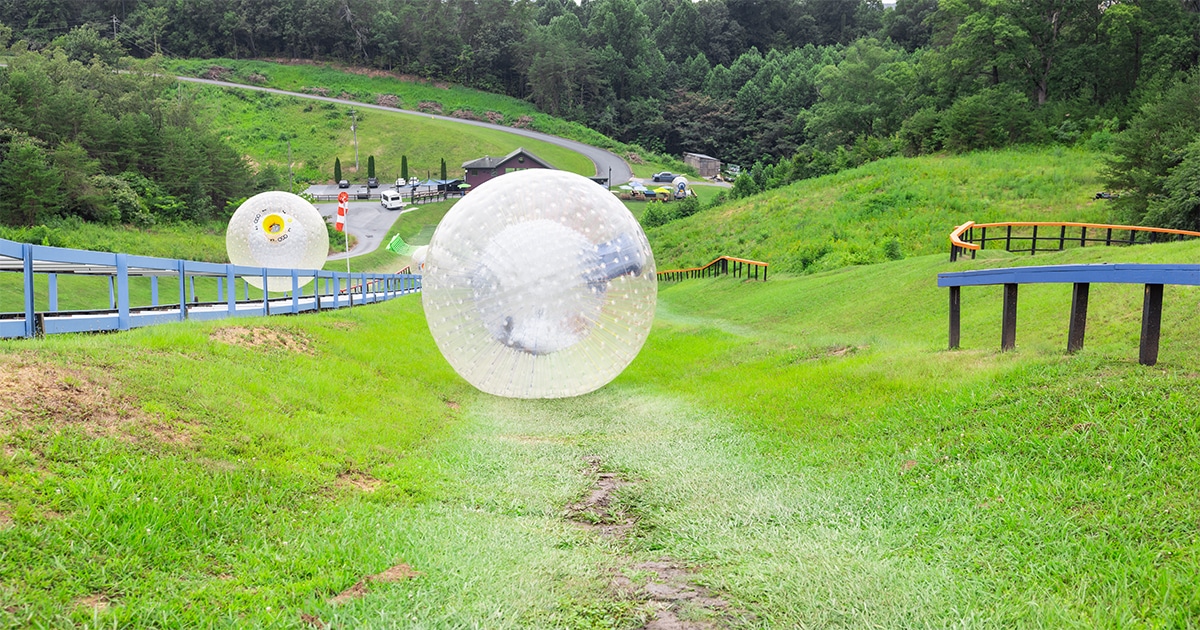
x=367, y=221
x=604, y=160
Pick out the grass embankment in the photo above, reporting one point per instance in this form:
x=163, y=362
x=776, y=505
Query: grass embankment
x=259, y=125
x=806, y=444
x=415, y=94
x=850, y=217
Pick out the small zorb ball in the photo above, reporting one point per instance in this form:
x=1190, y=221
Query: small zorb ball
x=277, y=229
x=539, y=284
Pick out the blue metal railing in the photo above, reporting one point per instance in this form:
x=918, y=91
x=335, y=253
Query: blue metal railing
x=1081, y=277
x=326, y=290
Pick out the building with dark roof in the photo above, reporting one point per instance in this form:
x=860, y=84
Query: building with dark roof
x=485, y=168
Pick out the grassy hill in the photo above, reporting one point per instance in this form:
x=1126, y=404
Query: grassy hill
x=849, y=218
x=806, y=444
x=413, y=93
x=259, y=124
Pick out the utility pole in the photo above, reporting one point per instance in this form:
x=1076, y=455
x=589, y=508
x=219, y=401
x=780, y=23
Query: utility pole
x=114, y=21
x=291, y=175
x=354, y=129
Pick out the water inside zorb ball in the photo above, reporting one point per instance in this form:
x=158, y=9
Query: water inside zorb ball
x=539, y=284
x=280, y=230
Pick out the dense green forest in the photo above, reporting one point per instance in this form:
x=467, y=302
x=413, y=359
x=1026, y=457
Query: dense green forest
x=790, y=89
x=81, y=140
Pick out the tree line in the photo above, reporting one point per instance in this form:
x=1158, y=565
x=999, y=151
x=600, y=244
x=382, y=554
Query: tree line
x=787, y=88
x=83, y=140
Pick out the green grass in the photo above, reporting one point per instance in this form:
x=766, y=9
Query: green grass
x=807, y=444
x=849, y=218
x=258, y=124
x=366, y=86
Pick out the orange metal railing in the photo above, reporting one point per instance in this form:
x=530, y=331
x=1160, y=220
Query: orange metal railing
x=963, y=238
x=741, y=267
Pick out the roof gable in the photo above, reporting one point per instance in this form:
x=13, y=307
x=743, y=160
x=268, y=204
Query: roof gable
x=488, y=162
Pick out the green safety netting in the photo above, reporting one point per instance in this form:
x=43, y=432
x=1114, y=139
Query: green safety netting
x=398, y=246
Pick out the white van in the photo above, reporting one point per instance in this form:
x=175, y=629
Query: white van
x=391, y=200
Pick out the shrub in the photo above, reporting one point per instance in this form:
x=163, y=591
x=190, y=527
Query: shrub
x=658, y=213
x=993, y=118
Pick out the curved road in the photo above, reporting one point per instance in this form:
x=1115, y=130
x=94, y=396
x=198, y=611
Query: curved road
x=604, y=160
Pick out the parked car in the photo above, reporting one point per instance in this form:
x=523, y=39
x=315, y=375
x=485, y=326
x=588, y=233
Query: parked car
x=372, y=182
x=664, y=176
x=344, y=184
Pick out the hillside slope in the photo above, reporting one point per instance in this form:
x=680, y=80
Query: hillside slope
x=805, y=446
x=849, y=218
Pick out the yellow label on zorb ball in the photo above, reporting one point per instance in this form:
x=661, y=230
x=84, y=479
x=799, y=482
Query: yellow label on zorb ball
x=275, y=227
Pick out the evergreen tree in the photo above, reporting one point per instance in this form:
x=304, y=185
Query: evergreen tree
x=337, y=169
x=371, y=166
x=29, y=184
x=404, y=167
x=444, y=169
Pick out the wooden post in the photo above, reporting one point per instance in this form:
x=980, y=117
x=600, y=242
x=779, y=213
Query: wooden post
x=1151, y=323
x=1008, y=326
x=955, y=308
x=1079, y=304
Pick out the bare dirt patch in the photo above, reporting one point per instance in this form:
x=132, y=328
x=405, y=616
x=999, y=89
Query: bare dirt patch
x=430, y=107
x=598, y=511
x=398, y=573
x=6, y=519
x=387, y=100
x=453, y=405
x=634, y=158
x=358, y=480
x=524, y=122
x=667, y=588
x=678, y=603
x=98, y=602
x=217, y=73
x=35, y=393
x=465, y=114
x=315, y=90
x=262, y=337
x=312, y=620
x=496, y=118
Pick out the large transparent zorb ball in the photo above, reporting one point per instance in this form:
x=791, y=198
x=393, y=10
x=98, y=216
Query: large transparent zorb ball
x=277, y=229
x=539, y=284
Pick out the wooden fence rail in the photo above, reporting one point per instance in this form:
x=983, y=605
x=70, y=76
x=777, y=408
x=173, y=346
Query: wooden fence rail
x=1153, y=277
x=722, y=266
x=1020, y=237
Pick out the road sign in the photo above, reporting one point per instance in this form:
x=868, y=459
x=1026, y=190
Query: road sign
x=343, y=196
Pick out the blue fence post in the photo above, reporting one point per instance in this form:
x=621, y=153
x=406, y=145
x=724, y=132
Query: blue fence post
x=27, y=256
x=295, y=288
x=232, y=295
x=52, y=292
x=153, y=290
x=220, y=289
x=182, y=290
x=122, y=291
x=266, y=296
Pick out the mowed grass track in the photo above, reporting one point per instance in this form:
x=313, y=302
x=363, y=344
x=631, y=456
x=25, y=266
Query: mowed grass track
x=259, y=124
x=806, y=445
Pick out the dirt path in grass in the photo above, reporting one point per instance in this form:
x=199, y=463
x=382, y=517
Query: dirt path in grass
x=670, y=590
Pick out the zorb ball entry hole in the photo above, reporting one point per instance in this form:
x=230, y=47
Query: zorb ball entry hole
x=539, y=284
